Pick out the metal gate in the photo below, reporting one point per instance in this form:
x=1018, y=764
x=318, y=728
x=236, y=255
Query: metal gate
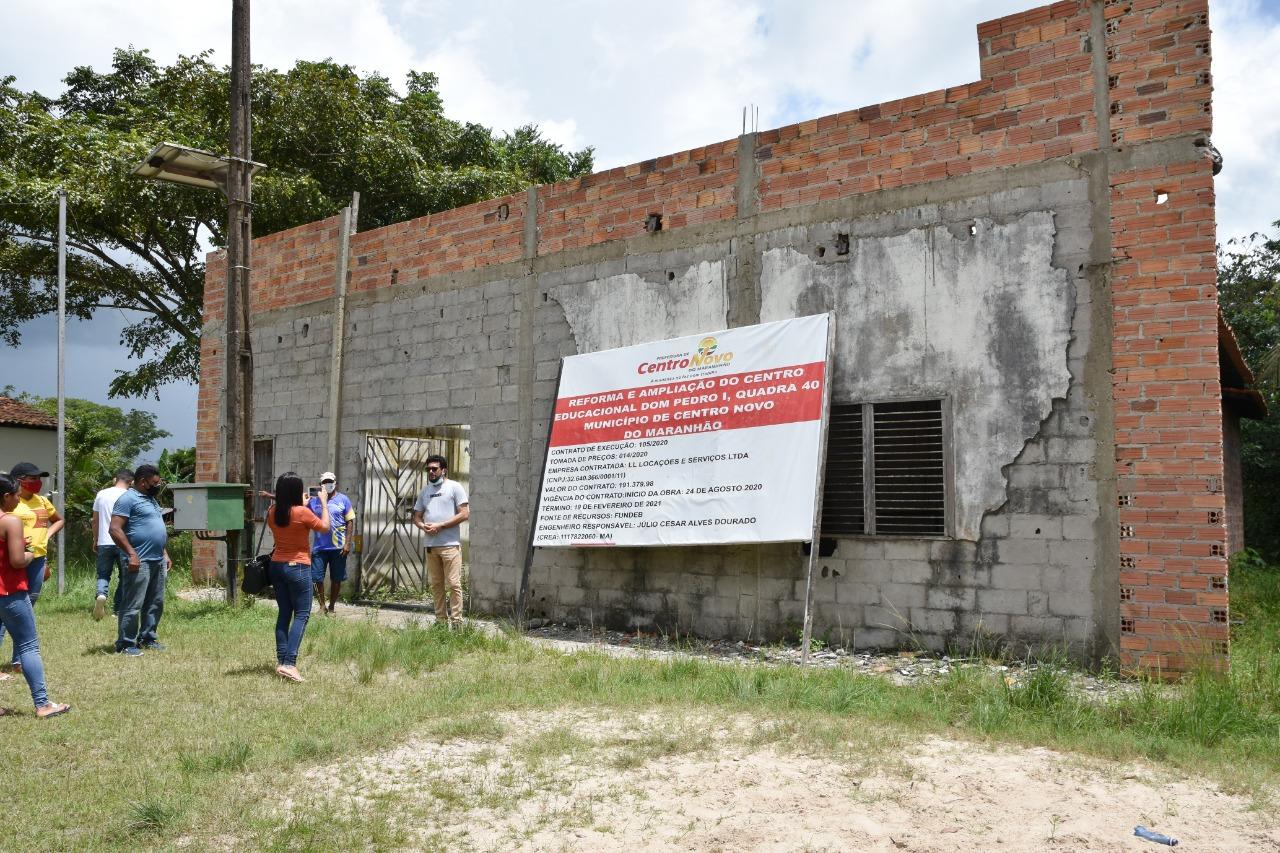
x=393, y=560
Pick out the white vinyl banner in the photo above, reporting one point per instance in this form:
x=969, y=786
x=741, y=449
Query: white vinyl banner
x=708, y=439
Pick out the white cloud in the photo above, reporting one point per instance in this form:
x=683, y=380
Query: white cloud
x=1246, y=115
x=639, y=81
x=563, y=133
x=353, y=32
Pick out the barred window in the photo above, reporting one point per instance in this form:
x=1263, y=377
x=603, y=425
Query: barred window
x=900, y=444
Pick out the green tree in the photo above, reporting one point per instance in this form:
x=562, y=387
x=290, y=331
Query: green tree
x=100, y=440
x=1249, y=292
x=177, y=465
x=323, y=130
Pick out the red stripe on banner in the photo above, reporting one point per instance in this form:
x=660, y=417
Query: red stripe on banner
x=756, y=398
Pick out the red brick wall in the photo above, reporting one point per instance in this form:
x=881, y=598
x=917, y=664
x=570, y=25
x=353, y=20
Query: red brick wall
x=689, y=188
x=452, y=241
x=1035, y=101
x=1158, y=68
x=1170, y=467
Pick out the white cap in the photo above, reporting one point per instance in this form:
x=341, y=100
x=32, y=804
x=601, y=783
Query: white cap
x=328, y=475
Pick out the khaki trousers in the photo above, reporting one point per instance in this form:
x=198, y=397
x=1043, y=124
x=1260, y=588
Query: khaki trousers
x=444, y=568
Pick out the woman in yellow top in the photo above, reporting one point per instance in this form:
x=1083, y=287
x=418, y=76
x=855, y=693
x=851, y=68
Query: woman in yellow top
x=40, y=523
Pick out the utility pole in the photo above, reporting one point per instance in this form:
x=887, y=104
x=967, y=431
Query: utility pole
x=238, y=365
x=62, y=395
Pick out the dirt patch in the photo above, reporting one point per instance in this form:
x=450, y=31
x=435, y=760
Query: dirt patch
x=593, y=781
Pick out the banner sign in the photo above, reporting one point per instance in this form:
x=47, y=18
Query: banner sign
x=708, y=439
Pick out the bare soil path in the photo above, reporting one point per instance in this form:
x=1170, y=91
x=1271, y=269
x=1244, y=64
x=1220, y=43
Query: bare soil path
x=611, y=785
x=595, y=780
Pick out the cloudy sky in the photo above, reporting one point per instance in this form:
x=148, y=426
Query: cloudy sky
x=633, y=80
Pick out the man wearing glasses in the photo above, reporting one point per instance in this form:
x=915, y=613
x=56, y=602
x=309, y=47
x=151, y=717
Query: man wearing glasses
x=438, y=512
x=137, y=528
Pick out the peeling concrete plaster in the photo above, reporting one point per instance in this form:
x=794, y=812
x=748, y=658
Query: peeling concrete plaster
x=626, y=309
x=983, y=318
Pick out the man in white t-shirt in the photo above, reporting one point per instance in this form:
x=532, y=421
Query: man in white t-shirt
x=440, y=509
x=109, y=554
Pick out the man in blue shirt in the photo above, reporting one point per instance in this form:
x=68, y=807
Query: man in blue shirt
x=137, y=528
x=330, y=549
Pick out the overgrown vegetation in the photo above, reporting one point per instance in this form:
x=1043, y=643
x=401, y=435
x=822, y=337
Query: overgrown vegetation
x=200, y=743
x=1249, y=293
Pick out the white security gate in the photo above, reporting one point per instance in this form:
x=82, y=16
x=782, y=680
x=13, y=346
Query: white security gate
x=393, y=560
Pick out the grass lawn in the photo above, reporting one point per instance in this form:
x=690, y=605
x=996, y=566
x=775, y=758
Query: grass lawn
x=185, y=746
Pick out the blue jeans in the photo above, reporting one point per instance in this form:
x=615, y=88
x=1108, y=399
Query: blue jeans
x=35, y=578
x=35, y=582
x=109, y=557
x=293, y=596
x=16, y=615
x=141, y=604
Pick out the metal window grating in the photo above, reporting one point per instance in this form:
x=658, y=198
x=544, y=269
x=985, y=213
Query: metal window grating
x=843, y=504
x=910, y=469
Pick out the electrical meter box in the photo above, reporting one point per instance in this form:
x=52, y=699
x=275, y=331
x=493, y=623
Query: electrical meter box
x=208, y=506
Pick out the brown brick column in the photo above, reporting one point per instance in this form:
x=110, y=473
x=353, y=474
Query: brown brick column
x=1168, y=399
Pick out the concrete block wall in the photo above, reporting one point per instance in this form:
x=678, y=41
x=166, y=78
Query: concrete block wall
x=1108, y=97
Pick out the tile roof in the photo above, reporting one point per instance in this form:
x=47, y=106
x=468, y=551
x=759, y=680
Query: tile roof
x=13, y=413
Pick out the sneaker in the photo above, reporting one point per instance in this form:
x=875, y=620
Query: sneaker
x=153, y=645
x=131, y=652
x=99, y=608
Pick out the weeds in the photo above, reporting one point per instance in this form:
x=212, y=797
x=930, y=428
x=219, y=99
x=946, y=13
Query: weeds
x=481, y=728
x=153, y=816
x=413, y=650
x=229, y=758
x=370, y=687
x=308, y=748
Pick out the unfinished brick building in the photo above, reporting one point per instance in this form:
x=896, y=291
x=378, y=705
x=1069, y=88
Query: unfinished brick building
x=1022, y=273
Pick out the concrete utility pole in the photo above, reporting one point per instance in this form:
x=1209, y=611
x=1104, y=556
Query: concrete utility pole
x=62, y=387
x=238, y=370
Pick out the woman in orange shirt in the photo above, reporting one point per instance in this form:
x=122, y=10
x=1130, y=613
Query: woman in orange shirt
x=291, y=524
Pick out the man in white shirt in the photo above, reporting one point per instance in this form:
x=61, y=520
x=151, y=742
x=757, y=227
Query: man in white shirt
x=439, y=511
x=109, y=554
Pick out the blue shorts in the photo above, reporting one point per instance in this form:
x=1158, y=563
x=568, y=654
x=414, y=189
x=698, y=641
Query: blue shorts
x=335, y=560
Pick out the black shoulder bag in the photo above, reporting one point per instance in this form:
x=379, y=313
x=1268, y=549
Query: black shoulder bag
x=256, y=571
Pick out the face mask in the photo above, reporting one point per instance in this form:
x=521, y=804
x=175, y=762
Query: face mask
x=155, y=490
x=33, y=486
x=330, y=488
x=434, y=476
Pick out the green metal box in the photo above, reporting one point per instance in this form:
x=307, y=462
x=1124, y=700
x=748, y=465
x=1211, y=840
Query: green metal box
x=208, y=506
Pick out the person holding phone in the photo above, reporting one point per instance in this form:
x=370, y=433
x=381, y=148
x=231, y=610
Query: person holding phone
x=291, y=524
x=329, y=549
